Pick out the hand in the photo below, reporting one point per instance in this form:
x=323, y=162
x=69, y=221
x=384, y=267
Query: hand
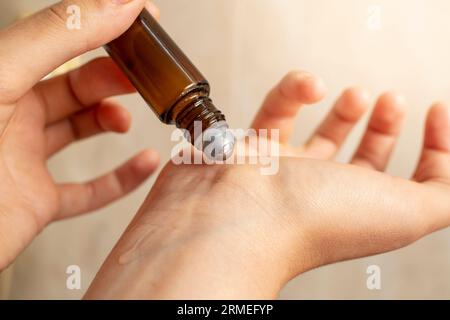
x=38, y=119
x=229, y=232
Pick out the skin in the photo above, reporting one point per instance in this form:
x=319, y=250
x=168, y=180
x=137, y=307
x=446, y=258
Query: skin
x=228, y=232
x=219, y=231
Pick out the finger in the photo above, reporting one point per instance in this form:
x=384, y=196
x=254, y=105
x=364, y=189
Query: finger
x=106, y=117
x=82, y=198
x=331, y=134
x=69, y=93
x=435, y=160
x=284, y=101
x=35, y=46
x=382, y=132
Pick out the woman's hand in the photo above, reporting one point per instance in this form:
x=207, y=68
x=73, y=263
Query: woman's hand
x=38, y=119
x=226, y=231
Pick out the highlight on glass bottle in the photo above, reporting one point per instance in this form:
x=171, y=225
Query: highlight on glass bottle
x=171, y=85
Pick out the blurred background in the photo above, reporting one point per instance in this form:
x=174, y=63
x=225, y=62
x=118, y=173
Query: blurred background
x=244, y=48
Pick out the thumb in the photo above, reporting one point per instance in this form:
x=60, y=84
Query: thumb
x=33, y=47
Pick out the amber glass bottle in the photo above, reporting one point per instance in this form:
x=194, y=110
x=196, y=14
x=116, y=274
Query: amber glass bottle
x=168, y=81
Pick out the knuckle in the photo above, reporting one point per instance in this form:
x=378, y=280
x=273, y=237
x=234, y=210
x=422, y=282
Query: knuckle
x=74, y=128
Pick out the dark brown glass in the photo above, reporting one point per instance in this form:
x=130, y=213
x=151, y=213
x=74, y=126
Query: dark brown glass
x=168, y=81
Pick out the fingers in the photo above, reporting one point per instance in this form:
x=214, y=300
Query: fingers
x=82, y=198
x=35, y=46
x=435, y=160
x=382, y=132
x=434, y=169
x=332, y=133
x=69, y=93
x=284, y=101
x=106, y=117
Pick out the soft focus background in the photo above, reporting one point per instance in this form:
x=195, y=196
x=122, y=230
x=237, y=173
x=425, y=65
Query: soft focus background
x=244, y=47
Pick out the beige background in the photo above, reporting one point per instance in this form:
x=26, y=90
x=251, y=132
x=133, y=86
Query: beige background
x=244, y=47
